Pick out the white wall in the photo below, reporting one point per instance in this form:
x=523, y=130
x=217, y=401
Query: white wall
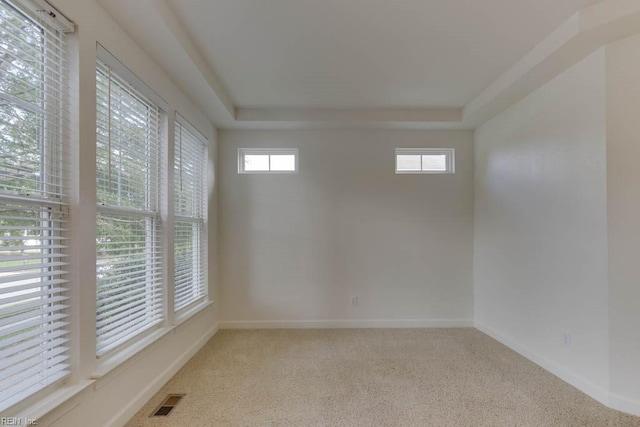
x=623, y=175
x=540, y=249
x=295, y=248
x=113, y=395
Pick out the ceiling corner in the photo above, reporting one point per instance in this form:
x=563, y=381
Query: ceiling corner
x=185, y=40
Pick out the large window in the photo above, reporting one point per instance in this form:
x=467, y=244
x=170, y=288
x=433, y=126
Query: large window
x=34, y=337
x=190, y=241
x=129, y=256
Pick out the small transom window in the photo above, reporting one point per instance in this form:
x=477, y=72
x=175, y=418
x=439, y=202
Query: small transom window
x=425, y=160
x=267, y=160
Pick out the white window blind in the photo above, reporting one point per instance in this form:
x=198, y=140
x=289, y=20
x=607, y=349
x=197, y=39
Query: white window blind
x=129, y=253
x=34, y=338
x=190, y=242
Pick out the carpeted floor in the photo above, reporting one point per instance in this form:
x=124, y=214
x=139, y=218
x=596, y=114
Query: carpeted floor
x=370, y=377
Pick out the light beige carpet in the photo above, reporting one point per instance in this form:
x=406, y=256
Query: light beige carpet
x=370, y=377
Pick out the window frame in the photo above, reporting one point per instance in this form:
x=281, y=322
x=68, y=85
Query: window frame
x=242, y=152
x=50, y=202
x=449, y=154
x=151, y=213
x=199, y=223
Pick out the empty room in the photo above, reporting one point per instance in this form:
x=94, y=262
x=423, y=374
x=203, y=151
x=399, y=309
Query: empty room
x=319, y=213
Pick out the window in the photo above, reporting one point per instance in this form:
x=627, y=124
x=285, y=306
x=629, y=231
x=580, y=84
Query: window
x=267, y=160
x=34, y=338
x=190, y=239
x=128, y=178
x=425, y=160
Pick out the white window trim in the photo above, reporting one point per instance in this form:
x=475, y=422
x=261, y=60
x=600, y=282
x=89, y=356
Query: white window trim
x=203, y=301
x=45, y=11
x=53, y=196
x=203, y=259
x=191, y=310
x=448, y=152
x=126, y=76
x=130, y=77
x=264, y=151
x=116, y=361
x=179, y=118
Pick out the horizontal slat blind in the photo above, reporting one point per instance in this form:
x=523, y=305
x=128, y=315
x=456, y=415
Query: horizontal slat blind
x=33, y=300
x=34, y=337
x=190, y=166
x=128, y=144
x=33, y=107
x=129, y=290
x=190, y=263
x=190, y=247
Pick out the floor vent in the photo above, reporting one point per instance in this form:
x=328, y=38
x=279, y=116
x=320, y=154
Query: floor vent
x=167, y=405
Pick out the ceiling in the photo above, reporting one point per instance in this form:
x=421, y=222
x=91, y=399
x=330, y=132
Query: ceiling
x=365, y=53
x=337, y=54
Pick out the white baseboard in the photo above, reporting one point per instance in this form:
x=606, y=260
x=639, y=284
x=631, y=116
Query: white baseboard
x=598, y=393
x=346, y=323
x=624, y=404
x=126, y=413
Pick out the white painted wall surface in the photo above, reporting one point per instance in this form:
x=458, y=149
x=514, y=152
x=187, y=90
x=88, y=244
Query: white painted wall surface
x=296, y=248
x=623, y=175
x=116, y=395
x=540, y=248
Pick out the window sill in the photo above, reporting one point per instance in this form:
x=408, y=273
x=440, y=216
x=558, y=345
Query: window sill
x=189, y=313
x=111, y=366
x=61, y=398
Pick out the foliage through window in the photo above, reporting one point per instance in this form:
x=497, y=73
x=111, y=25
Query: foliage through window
x=190, y=247
x=34, y=337
x=128, y=240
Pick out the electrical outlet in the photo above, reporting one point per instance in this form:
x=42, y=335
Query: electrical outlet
x=354, y=301
x=566, y=338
